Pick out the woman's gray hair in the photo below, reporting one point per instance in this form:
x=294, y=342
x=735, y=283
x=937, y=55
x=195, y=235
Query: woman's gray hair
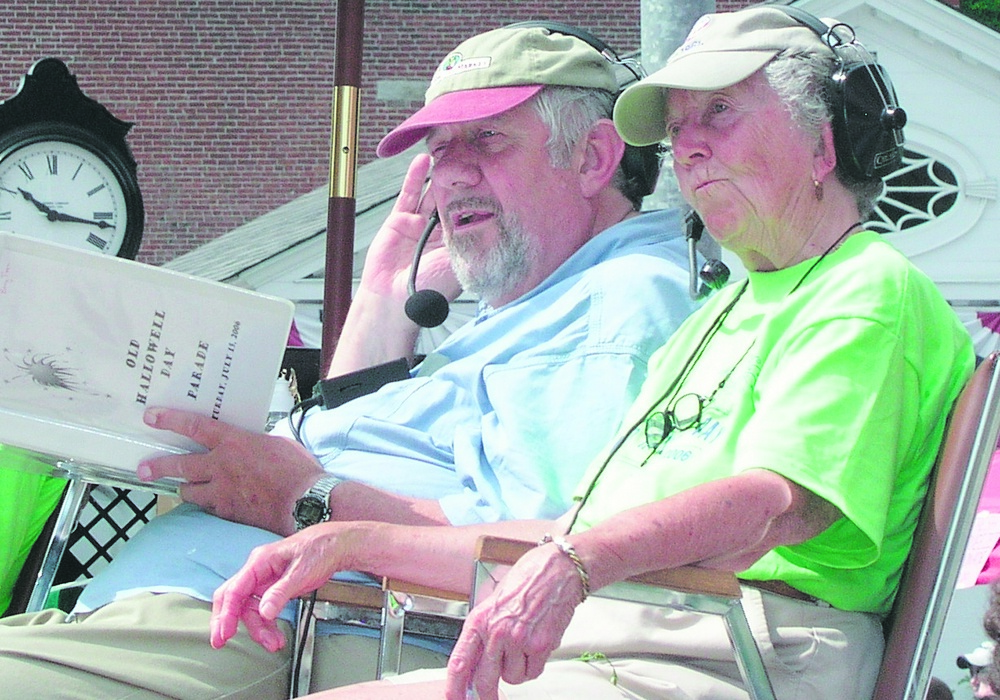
x=569, y=113
x=803, y=82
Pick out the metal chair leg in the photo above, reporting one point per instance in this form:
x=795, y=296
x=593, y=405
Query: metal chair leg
x=747, y=654
x=390, y=650
x=69, y=512
x=300, y=676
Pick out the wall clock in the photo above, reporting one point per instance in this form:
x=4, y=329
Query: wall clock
x=66, y=173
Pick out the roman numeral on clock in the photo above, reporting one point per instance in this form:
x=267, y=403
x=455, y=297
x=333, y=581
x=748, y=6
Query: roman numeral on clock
x=96, y=241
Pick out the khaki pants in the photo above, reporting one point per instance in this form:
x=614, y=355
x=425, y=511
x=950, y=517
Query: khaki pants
x=150, y=647
x=635, y=651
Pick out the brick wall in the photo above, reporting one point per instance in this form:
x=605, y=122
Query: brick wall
x=231, y=98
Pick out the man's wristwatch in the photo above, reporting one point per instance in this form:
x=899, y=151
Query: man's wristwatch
x=314, y=506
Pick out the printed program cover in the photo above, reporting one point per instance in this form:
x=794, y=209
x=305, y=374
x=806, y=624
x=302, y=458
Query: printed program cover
x=88, y=342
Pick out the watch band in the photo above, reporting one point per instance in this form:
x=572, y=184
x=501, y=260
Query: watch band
x=314, y=506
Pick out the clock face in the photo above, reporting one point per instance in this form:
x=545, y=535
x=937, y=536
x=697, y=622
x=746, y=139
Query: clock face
x=65, y=193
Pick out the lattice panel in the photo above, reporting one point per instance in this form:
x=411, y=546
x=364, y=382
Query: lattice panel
x=109, y=518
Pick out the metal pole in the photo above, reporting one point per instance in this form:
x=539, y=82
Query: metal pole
x=343, y=166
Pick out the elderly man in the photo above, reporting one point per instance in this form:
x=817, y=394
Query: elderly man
x=578, y=289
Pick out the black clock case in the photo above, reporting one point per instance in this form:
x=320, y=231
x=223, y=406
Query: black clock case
x=49, y=105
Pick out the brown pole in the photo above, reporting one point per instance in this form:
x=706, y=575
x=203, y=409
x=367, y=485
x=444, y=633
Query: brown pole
x=343, y=166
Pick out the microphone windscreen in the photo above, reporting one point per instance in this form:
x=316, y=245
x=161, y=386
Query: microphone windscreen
x=715, y=274
x=427, y=308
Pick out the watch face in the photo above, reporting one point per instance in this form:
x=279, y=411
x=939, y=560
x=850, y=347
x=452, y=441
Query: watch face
x=62, y=192
x=309, y=510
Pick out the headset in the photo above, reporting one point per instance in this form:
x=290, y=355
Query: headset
x=640, y=166
x=867, y=119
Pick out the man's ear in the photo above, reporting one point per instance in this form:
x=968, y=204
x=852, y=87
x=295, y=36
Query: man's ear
x=602, y=154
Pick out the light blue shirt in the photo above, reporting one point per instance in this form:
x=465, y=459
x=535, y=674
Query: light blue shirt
x=528, y=394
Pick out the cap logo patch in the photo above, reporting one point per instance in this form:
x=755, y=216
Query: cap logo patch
x=455, y=64
x=690, y=46
x=692, y=42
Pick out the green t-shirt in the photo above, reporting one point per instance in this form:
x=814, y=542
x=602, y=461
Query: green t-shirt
x=842, y=386
x=27, y=498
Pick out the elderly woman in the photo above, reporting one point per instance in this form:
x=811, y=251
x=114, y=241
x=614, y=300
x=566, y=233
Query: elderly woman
x=786, y=432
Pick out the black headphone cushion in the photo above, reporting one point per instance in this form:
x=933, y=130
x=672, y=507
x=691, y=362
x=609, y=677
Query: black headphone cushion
x=868, y=143
x=641, y=166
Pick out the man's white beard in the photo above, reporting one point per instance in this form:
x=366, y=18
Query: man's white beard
x=493, y=273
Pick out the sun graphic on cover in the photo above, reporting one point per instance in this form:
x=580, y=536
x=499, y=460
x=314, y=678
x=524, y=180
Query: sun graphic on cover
x=47, y=370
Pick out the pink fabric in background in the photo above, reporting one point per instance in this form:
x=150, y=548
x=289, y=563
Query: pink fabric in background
x=294, y=337
x=990, y=500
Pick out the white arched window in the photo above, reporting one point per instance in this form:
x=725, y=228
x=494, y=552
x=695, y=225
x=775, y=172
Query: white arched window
x=936, y=197
x=921, y=190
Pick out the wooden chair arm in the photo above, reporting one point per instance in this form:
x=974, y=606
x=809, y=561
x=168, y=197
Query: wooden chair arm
x=350, y=593
x=506, y=552
x=361, y=595
x=686, y=579
x=415, y=589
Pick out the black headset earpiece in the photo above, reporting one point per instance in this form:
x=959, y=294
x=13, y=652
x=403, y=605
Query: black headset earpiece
x=641, y=164
x=867, y=119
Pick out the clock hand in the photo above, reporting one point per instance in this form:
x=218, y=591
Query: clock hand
x=54, y=215
x=59, y=216
x=38, y=205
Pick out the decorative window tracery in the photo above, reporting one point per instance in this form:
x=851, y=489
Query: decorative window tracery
x=921, y=190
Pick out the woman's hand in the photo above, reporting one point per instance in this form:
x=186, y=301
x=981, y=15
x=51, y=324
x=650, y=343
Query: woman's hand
x=511, y=634
x=276, y=573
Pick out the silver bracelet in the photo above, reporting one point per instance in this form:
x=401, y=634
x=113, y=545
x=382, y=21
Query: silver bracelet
x=566, y=548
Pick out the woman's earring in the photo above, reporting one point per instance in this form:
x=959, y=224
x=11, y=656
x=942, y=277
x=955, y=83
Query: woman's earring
x=818, y=188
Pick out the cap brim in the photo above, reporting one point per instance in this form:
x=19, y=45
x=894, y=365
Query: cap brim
x=639, y=114
x=454, y=108
x=963, y=662
x=979, y=658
